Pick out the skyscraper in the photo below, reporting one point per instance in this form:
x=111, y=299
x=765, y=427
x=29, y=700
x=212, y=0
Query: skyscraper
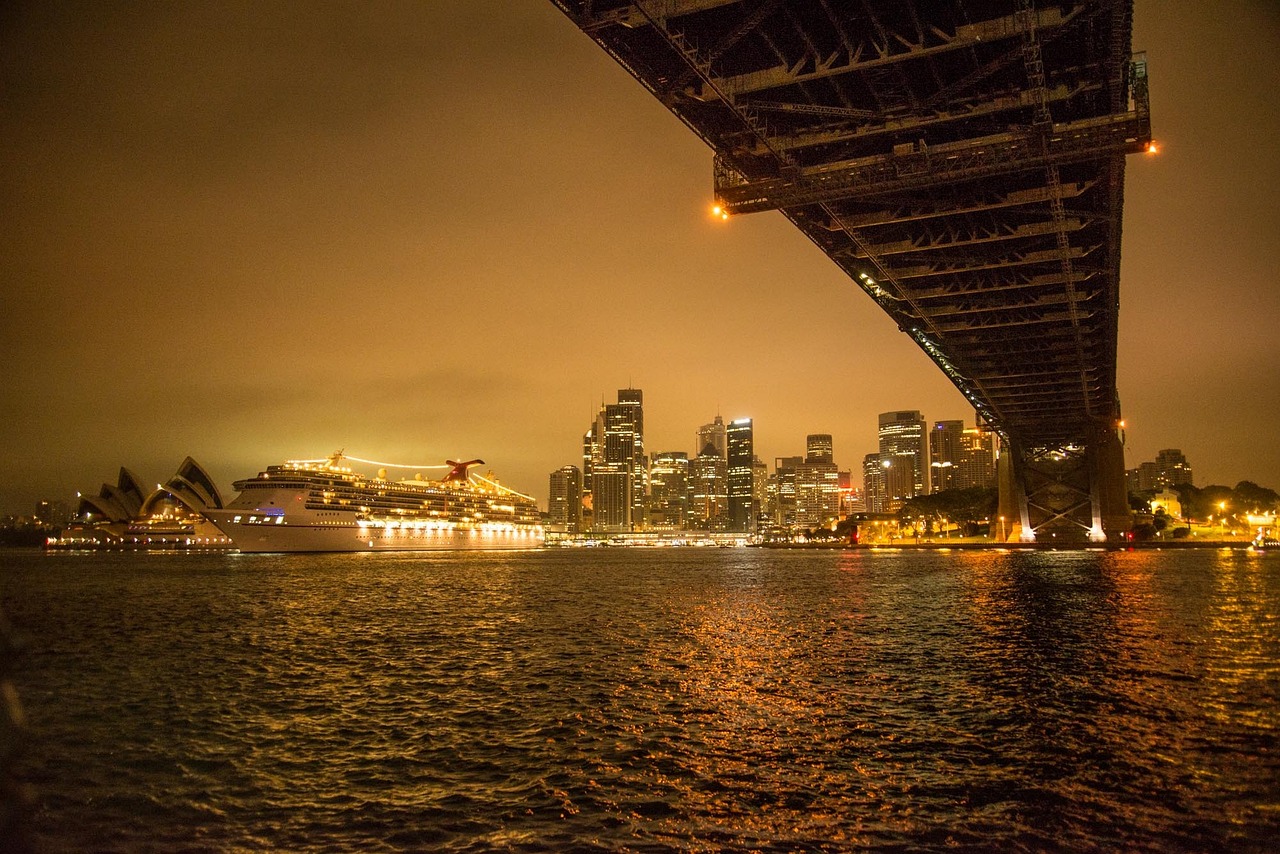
x=904, y=448
x=946, y=454
x=669, y=490
x=715, y=435
x=708, y=491
x=618, y=470
x=741, y=454
x=817, y=483
x=873, y=483
x=564, y=509
x=632, y=399
x=818, y=448
x=785, y=470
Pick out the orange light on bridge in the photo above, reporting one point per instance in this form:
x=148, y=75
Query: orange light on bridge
x=720, y=212
x=1152, y=148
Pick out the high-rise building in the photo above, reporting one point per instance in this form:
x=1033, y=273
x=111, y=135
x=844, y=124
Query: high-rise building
x=946, y=454
x=564, y=509
x=817, y=484
x=873, y=483
x=904, y=448
x=818, y=448
x=783, y=499
x=759, y=490
x=714, y=434
x=1173, y=467
x=669, y=490
x=740, y=474
x=1170, y=468
x=632, y=399
x=708, y=491
x=960, y=457
x=613, y=455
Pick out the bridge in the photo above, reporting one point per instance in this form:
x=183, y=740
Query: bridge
x=963, y=162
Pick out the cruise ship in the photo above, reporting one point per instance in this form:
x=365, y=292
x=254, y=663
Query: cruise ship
x=326, y=506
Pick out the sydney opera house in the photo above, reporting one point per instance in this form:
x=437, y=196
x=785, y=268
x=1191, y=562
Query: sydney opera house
x=126, y=516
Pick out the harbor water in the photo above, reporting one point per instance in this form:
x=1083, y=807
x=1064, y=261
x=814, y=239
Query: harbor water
x=648, y=700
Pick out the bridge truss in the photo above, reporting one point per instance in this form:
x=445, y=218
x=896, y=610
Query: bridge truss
x=963, y=162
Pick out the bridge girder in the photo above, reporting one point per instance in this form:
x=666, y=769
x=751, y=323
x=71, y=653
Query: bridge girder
x=931, y=150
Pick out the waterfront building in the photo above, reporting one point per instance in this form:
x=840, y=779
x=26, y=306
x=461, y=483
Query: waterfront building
x=708, y=491
x=170, y=516
x=564, y=508
x=1169, y=468
x=669, y=491
x=873, y=485
x=960, y=457
x=783, y=499
x=740, y=476
x=614, y=464
x=716, y=435
x=632, y=401
x=759, y=491
x=904, y=456
x=817, y=484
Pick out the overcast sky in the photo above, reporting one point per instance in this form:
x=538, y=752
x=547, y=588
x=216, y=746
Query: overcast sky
x=256, y=231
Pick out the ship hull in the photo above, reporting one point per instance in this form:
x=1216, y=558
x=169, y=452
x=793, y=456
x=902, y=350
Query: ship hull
x=290, y=535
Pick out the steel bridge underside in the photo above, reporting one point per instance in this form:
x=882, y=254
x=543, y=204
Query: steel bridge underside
x=963, y=162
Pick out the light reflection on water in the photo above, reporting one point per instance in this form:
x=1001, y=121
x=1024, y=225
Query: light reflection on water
x=651, y=700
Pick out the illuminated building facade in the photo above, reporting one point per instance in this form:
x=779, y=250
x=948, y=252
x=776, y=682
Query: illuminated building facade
x=716, y=435
x=817, y=484
x=819, y=448
x=783, y=499
x=170, y=516
x=960, y=457
x=708, y=491
x=873, y=484
x=615, y=469
x=740, y=476
x=669, y=490
x=759, y=489
x=904, y=456
x=564, y=508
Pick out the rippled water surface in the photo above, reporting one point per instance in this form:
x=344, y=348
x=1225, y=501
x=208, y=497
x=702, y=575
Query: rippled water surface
x=650, y=700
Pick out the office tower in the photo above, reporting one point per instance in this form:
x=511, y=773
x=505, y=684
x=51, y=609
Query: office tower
x=669, y=490
x=784, y=501
x=873, y=485
x=978, y=468
x=817, y=484
x=632, y=401
x=589, y=457
x=564, y=509
x=818, y=448
x=715, y=435
x=759, y=489
x=740, y=472
x=708, y=490
x=904, y=448
x=617, y=472
x=946, y=454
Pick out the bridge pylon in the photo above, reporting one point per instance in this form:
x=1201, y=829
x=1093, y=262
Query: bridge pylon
x=1066, y=493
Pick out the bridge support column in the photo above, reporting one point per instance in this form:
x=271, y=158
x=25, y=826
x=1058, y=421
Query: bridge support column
x=1112, y=514
x=1064, y=494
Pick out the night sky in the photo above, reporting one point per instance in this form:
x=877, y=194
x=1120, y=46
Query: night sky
x=256, y=231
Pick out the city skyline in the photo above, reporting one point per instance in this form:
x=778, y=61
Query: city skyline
x=250, y=235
